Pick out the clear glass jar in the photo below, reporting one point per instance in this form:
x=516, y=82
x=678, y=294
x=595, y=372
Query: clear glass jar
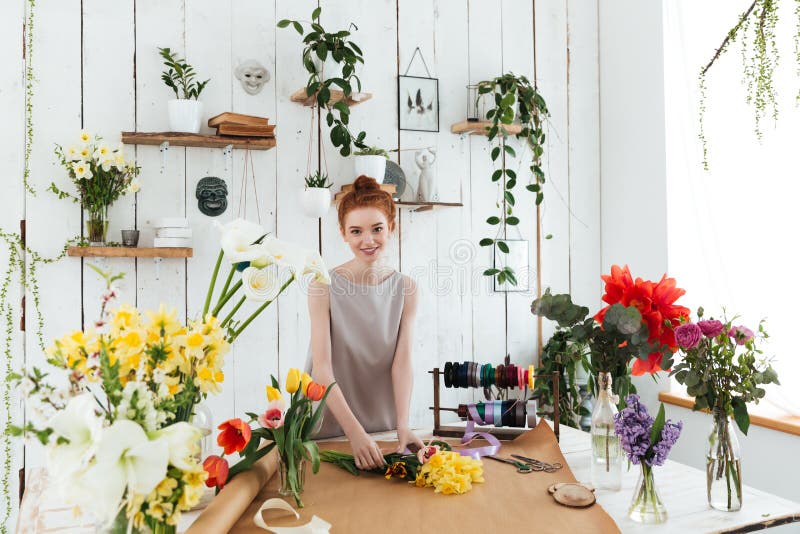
x=723, y=464
x=203, y=420
x=646, y=506
x=606, y=466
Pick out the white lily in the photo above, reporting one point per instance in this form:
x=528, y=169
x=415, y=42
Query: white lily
x=238, y=236
x=287, y=255
x=315, y=266
x=183, y=442
x=78, y=424
x=125, y=459
x=261, y=284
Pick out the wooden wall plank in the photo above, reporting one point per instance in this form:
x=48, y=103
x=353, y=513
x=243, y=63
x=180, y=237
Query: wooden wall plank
x=551, y=77
x=56, y=119
x=12, y=99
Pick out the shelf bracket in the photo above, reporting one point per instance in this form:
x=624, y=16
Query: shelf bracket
x=163, y=148
x=227, y=153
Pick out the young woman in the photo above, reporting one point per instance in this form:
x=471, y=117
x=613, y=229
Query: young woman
x=362, y=329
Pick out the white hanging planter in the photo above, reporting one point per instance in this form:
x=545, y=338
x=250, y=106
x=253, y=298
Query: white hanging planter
x=316, y=201
x=185, y=115
x=372, y=166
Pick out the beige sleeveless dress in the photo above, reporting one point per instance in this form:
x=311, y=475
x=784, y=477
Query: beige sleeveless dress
x=365, y=323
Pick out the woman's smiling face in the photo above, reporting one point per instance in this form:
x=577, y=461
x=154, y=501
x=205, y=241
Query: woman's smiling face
x=367, y=233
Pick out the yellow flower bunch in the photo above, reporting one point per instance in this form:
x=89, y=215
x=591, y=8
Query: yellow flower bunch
x=179, y=492
x=76, y=351
x=449, y=473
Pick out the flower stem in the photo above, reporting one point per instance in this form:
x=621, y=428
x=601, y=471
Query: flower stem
x=259, y=310
x=212, y=284
x=227, y=284
x=224, y=299
x=233, y=311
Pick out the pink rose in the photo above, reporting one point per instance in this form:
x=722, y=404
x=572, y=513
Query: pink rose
x=711, y=328
x=740, y=334
x=688, y=335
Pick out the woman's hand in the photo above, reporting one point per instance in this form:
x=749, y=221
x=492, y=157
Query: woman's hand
x=365, y=451
x=407, y=438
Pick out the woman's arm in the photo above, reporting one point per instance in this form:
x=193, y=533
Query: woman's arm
x=366, y=452
x=402, y=369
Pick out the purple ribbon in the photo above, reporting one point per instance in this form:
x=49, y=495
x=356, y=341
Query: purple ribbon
x=470, y=434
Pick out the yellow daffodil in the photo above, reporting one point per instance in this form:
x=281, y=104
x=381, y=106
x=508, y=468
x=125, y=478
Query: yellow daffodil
x=82, y=170
x=165, y=321
x=292, y=380
x=85, y=136
x=72, y=153
x=103, y=152
x=85, y=153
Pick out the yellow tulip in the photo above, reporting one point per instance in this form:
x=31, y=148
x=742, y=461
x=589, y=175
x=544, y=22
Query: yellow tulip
x=273, y=394
x=292, y=380
x=305, y=381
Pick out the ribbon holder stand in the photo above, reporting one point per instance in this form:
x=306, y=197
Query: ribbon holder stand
x=503, y=433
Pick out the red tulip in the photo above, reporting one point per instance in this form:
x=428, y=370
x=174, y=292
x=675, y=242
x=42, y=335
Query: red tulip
x=217, y=469
x=234, y=436
x=315, y=391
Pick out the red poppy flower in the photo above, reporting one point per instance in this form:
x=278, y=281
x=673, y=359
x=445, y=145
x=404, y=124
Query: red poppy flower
x=315, y=391
x=656, y=303
x=217, y=469
x=234, y=436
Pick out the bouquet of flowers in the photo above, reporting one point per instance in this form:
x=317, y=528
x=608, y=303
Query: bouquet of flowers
x=288, y=430
x=646, y=442
x=100, y=175
x=433, y=466
x=722, y=369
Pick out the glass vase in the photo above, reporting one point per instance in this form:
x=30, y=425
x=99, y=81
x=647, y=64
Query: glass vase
x=606, y=452
x=646, y=506
x=203, y=420
x=723, y=465
x=292, y=484
x=97, y=227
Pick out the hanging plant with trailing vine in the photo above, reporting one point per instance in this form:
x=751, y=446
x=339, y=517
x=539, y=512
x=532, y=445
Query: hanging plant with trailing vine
x=755, y=29
x=319, y=44
x=29, y=81
x=514, y=98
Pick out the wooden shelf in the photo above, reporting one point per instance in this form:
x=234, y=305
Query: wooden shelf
x=189, y=139
x=426, y=206
x=355, y=99
x=130, y=252
x=480, y=128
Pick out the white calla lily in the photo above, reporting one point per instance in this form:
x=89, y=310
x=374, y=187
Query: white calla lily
x=261, y=284
x=237, y=238
x=287, y=255
x=81, y=427
x=183, y=442
x=315, y=266
x=125, y=458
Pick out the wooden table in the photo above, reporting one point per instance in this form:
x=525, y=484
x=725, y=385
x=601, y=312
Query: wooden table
x=682, y=488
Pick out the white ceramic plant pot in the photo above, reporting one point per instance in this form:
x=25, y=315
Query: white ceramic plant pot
x=185, y=115
x=316, y=201
x=372, y=166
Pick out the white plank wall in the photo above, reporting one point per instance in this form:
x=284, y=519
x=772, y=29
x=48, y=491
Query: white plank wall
x=98, y=68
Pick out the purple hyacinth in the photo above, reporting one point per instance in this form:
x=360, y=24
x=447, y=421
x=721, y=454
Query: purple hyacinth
x=669, y=435
x=632, y=425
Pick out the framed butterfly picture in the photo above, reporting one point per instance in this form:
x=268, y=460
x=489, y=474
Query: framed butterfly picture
x=418, y=103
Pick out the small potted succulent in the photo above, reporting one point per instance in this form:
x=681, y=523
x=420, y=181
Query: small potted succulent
x=371, y=161
x=317, y=195
x=185, y=111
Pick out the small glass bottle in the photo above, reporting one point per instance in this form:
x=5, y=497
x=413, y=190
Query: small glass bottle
x=723, y=464
x=606, y=452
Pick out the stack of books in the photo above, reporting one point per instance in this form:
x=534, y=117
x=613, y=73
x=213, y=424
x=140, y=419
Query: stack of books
x=389, y=188
x=172, y=232
x=238, y=125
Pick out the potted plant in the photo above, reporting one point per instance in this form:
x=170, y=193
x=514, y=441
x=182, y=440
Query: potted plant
x=322, y=46
x=371, y=161
x=185, y=111
x=317, y=195
x=101, y=175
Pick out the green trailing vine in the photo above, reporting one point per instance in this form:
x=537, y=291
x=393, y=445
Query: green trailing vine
x=29, y=81
x=514, y=98
x=755, y=29
x=319, y=44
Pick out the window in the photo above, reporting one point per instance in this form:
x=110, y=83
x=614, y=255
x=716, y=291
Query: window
x=733, y=230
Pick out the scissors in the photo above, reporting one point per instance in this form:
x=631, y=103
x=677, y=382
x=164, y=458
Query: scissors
x=522, y=467
x=538, y=465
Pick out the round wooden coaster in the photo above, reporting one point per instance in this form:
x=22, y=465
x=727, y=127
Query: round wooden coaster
x=552, y=489
x=574, y=495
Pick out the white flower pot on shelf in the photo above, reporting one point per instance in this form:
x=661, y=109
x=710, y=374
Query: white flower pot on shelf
x=316, y=201
x=185, y=115
x=372, y=166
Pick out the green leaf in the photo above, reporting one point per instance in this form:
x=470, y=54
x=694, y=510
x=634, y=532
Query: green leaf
x=497, y=174
x=510, y=150
x=495, y=153
x=512, y=279
x=493, y=220
x=509, y=197
x=740, y=414
x=501, y=278
x=658, y=426
x=502, y=246
x=491, y=272
x=513, y=221
x=297, y=27
x=485, y=242
x=315, y=16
